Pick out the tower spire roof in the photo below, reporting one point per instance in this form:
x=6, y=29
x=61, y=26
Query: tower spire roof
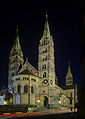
x=69, y=74
x=46, y=32
x=16, y=44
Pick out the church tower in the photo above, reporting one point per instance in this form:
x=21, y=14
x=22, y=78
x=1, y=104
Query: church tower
x=16, y=60
x=69, y=77
x=46, y=66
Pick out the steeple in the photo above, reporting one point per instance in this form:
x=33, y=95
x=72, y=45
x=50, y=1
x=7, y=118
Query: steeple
x=16, y=44
x=46, y=32
x=69, y=77
x=69, y=74
x=16, y=60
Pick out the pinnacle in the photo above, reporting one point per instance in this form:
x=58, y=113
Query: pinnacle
x=16, y=44
x=46, y=28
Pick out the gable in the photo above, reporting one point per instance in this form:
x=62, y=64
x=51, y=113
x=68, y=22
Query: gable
x=28, y=68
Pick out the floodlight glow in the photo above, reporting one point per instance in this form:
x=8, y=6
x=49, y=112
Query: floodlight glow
x=38, y=100
x=5, y=103
x=59, y=102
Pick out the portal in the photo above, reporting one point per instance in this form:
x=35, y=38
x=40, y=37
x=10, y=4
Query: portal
x=45, y=101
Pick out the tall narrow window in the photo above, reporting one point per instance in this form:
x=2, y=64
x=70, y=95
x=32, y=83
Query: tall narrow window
x=44, y=74
x=71, y=99
x=13, y=90
x=32, y=89
x=45, y=58
x=25, y=89
x=44, y=42
x=19, y=89
x=44, y=66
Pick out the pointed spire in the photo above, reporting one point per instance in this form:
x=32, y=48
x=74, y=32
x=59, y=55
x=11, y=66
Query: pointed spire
x=69, y=77
x=46, y=32
x=69, y=74
x=16, y=44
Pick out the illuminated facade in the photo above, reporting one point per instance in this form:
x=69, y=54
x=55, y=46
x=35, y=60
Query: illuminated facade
x=38, y=87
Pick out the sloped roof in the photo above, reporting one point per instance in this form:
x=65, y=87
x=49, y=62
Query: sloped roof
x=26, y=71
x=27, y=66
x=46, y=32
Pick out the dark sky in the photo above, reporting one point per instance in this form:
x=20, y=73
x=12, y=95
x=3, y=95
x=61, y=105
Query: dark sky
x=64, y=22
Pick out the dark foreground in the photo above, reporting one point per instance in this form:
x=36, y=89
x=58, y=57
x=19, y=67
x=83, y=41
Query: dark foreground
x=43, y=115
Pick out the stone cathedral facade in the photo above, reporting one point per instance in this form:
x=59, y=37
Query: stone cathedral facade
x=39, y=87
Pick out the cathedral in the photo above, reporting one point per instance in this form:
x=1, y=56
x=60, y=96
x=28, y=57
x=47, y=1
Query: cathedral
x=39, y=87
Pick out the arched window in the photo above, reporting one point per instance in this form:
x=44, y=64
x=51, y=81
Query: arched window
x=44, y=74
x=25, y=89
x=45, y=50
x=44, y=58
x=44, y=66
x=19, y=88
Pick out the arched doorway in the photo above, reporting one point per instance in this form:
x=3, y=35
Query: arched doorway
x=45, y=101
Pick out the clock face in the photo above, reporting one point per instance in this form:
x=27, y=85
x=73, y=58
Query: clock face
x=45, y=81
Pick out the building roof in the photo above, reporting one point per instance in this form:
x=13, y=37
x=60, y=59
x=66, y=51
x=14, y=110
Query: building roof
x=26, y=71
x=46, y=32
x=29, y=69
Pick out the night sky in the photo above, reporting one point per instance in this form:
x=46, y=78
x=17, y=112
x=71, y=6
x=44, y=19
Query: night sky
x=64, y=22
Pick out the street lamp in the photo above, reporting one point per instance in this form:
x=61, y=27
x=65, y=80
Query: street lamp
x=38, y=101
x=59, y=101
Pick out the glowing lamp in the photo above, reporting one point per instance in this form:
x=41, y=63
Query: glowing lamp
x=59, y=102
x=5, y=102
x=38, y=100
